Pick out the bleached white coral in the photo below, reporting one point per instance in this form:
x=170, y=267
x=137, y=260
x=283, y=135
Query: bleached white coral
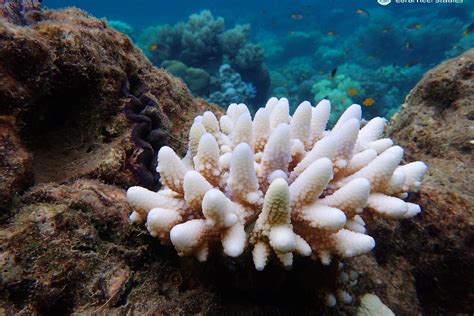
x=279, y=185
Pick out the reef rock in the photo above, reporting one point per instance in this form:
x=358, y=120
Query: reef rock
x=436, y=125
x=62, y=97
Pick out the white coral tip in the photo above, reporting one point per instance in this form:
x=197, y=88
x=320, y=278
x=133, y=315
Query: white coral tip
x=160, y=220
x=260, y=255
x=230, y=219
x=302, y=247
x=413, y=209
x=187, y=236
x=234, y=240
x=135, y=218
x=277, y=174
x=350, y=244
x=388, y=206
x=324, y=217
x=352, y=112
x=282, y=238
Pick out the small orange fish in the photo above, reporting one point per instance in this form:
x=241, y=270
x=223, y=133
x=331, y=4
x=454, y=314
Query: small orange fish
x=362, y=12
x=414, y=26
x=368, y=102
x=153, y=47
x=297, y=16
x=352, y=92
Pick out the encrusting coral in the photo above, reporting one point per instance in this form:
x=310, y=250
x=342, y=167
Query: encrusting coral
x=279, y=184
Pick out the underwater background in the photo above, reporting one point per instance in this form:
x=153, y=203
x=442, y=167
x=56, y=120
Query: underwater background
x=84, y=115
x=348, y=52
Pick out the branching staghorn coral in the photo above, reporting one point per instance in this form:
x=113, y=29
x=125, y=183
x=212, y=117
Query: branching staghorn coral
x=278, y=184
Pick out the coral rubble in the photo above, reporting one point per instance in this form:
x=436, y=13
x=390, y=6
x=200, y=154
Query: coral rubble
x=280, y=183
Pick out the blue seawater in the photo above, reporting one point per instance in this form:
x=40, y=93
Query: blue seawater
x=347, y=51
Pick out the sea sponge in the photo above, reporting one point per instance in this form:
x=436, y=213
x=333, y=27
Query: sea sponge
x=278, y=184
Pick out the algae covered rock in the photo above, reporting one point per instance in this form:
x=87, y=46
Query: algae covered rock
x=62, y=97
x=435, y=125
x=69, y=248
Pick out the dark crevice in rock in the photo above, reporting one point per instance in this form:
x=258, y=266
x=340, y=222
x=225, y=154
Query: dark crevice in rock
x=62, y=130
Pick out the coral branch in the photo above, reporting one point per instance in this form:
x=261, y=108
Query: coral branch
x=280, y=183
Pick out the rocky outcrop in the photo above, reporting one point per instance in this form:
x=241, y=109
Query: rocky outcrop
x=62, y=100
x=436, y=126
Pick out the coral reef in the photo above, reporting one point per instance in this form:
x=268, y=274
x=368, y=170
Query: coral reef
x=229, y=88
x=386, y=54
x=203, y=42
x=67, y=245
x=15, y=163
x=197, y=79
x=234, y=39
x=337, y=91
x=302, y=189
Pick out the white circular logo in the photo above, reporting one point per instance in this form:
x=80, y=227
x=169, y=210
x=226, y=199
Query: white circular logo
x=384, y=2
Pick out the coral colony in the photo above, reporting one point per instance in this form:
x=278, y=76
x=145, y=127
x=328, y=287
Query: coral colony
x=278, y=184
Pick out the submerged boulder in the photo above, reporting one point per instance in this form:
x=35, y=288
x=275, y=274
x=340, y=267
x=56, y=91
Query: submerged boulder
x=436, y=125
x=63, y=100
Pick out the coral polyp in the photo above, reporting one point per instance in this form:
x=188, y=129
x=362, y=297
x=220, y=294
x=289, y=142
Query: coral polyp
x=278, y=185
